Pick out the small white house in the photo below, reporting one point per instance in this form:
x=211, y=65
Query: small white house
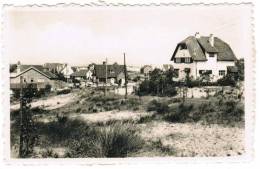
x=67, y=71
x=198, y=55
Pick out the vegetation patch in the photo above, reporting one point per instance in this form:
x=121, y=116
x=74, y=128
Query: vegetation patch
x=158, y=106
x=115, y=140
x=227, y=112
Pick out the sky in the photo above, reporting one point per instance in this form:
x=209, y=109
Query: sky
x=148, y=35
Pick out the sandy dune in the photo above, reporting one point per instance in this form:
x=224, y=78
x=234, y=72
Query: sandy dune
x=193, y=139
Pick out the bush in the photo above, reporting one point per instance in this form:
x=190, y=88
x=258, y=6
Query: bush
x=159, y=107
x=49, y=154
x=182, y=114
x=146, y=119
x=231, y=111
x=116, y=140
x=64, y=91
x=133, y=103
x=228, y=112
x=228, y=80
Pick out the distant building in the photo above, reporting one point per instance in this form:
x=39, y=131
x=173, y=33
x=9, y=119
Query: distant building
x=114, y=73
x=32, y=74
x=67, y=71
x=84, y=74
x=146, y=69
x=167, y=67
x=198, y=55
x=54, y=67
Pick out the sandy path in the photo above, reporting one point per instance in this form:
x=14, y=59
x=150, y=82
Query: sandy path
x=50, y=103
x=109, y=115
x=188, y=139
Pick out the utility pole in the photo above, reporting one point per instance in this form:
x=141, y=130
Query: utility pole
x=125, y=71
x=21, y=118
x=106, y=78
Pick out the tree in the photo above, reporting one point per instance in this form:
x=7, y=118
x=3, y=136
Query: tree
x=160, y=83
x=27, y=127
x=240, y=65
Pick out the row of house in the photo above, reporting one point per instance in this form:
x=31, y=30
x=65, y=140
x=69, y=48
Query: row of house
x=51, y=73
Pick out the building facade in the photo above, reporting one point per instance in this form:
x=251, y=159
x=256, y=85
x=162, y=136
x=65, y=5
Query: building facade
x=198, y=56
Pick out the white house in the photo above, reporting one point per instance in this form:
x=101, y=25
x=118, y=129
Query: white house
x=67, y=71
x=203, y=54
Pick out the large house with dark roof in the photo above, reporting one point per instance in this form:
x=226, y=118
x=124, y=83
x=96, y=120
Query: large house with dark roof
x=83, y=74
x=31, y=74
x=198, y=55
x=114, y=73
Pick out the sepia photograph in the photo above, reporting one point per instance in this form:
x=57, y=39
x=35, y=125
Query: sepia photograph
x=127, y=81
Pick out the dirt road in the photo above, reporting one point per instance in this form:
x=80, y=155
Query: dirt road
x=50, y=103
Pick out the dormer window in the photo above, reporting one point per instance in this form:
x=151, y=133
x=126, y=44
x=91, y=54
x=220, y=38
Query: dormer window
x=211, y=54
x=183, y=46
x=187, y=60
x=178, y=60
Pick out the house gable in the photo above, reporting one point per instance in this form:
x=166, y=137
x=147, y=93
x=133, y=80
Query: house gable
x=46, y=74
x=197, y=48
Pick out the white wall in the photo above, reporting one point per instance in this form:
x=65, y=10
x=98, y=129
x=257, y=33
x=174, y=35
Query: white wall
x=181, y=66
x=214, y=65
x=210, y=64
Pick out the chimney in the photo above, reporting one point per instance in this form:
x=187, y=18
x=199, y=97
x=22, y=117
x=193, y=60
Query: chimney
x=211, y=40
x=18, y=69
x=197, y=35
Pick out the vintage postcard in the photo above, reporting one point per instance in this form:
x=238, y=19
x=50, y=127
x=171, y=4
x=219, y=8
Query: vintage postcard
x=112, y=82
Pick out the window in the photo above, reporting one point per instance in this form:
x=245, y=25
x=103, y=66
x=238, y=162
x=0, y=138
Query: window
x=187, y=70
x=183, y=46
x=187, y=60
x=176, y=71
x=209, y=71
x=204, y=72
x=222, y=73
x=31, y=80
x=178, y=60
x=211, y=54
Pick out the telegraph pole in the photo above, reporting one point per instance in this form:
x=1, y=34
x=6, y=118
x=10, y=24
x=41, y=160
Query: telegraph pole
x=21, y=118
x=125, y=77
x=106, y=78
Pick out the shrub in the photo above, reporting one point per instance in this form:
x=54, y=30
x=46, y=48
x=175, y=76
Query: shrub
x=170, y=91
x=182, y=114
x=159, y=107
x=146, y=119
x=62, y=119
x=49, y=154
x=78, y=109
x=203, y=111
x=64, y=91
x=133, y=103
x=232, y=111
x=228, y=80
x=116, y=140
x=59, y=131
x=228, y=112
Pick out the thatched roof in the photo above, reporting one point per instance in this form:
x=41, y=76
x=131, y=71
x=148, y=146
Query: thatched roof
x=112, y=70
x=198, y=46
